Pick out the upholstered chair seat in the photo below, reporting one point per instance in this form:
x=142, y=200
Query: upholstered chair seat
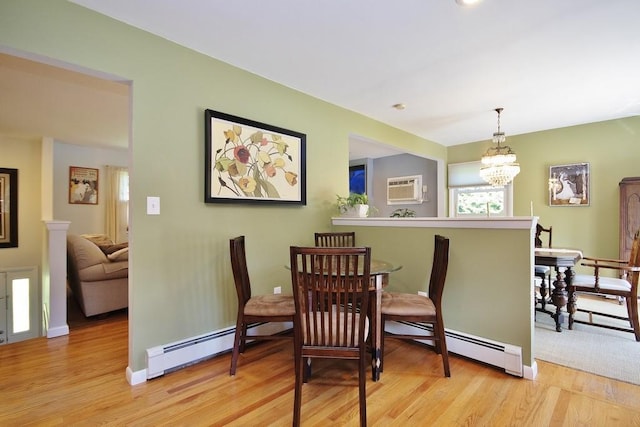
x=605, y=283
x=401, y=304
x=270, y=305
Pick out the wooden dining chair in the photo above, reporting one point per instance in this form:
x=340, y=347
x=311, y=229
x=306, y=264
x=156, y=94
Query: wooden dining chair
x=254, y=309
x=625, y=287
x=404, y=307
x=336, y=239
x=542, y=271
x=331, y=292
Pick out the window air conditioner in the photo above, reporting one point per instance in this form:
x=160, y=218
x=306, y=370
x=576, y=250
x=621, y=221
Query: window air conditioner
x=404, y=190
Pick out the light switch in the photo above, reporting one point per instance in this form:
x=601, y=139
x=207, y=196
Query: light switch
x=153, y=205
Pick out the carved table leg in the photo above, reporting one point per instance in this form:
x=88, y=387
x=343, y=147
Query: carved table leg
x=377, y=328
x=573, y=298
x=543, y=292
x=559, y=298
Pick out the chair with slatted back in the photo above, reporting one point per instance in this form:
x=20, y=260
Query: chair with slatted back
x=331, y=292
x=336, y=239
x=543, y=271
x=404, y=307
x=254, y=309
x=625, y=287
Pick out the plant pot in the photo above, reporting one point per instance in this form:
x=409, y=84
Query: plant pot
x=357, y=211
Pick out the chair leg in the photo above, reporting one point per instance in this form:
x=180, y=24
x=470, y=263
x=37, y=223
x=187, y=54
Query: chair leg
x=238, y=340
x=382, y=323
x=297, y=397
x=442, y=344
x=632, y=310
x=362, y=389
x=243, y=339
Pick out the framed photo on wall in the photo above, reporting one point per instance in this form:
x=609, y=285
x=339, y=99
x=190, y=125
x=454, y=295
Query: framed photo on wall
x=8, y=208
x=569, y=185
x=251, y=162
x=83, y=185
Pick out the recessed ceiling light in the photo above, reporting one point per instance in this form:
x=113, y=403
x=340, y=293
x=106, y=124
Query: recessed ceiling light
x=467, y=2
x=399, y=106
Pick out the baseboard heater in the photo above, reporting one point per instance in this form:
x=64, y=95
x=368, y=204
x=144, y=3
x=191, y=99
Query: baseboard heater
x=170, y=357
x=505, y=356
x=179, y=354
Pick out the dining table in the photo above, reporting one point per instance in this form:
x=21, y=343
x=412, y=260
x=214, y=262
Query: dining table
x=562, y=261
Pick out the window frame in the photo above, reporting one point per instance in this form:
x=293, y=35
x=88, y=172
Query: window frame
x=507, y=191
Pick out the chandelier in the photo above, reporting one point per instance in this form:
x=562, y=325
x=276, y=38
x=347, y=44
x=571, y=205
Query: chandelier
x=499, y=165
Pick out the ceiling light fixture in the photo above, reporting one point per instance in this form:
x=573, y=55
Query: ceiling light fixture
x=499, y=165
x=467, y=2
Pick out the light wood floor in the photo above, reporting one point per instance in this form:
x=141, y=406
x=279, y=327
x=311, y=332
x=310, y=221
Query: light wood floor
x=80, y=380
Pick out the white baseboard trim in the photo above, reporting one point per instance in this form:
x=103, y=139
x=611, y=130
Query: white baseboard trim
x=58, y=331
x=501, y=355
x=176, y=355
x=137, y=377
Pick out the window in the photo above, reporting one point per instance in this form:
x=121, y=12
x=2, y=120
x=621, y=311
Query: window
x=358, y=179
x=470, y=196
x=477, y=201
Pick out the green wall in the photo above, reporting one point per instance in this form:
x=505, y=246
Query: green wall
x=180, y=276
x=488, y=291
x=612, y=148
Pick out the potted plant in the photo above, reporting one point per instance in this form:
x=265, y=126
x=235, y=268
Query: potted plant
x=355, y=205
x=403, y=213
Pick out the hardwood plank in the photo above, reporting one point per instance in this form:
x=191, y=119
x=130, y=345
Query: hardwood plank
x=80, y=380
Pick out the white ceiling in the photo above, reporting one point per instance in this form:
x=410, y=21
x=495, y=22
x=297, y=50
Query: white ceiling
x=549, y=63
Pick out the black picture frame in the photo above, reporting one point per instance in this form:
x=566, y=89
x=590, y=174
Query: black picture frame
x=8, y=208
x=251, y=162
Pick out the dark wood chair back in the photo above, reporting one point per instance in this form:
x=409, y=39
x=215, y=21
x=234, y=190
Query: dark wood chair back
x=439, y=270
x=405, y=307
x=331, y=293
x=254, y=309
x=538, y=239
x=339, y=239
x=240, y=271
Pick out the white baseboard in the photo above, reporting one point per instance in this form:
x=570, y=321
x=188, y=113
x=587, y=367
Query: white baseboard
x=172, y=356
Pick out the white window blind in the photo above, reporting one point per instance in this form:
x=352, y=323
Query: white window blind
x=465, y=175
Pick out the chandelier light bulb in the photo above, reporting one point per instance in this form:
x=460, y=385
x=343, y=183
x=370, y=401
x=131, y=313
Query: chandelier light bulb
x=499, y=165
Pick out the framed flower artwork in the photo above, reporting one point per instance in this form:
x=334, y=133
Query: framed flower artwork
x=252, y=162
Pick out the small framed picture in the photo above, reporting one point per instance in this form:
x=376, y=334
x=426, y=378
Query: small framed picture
x=569, y=185
x=83, y=186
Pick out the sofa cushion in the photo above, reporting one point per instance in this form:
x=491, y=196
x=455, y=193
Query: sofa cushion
x=84, y=253
x=110, y=248
x=98, y=239
x=119, y=255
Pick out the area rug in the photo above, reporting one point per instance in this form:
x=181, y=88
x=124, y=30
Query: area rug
x=605, y=352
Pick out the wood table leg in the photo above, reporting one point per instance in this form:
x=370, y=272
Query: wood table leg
x=559, y=297
x=375, y=298
x=573, y=298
